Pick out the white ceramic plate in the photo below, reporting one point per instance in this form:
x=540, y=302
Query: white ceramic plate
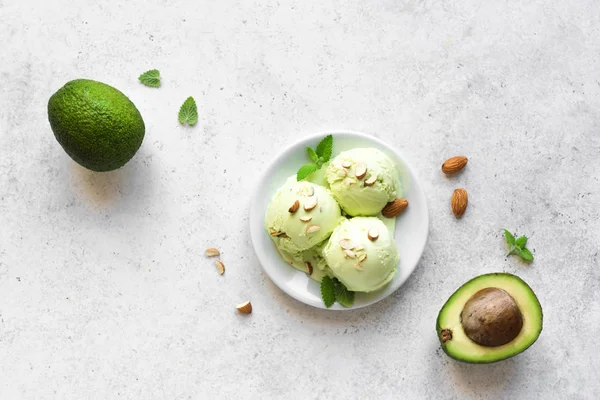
x=412, y=226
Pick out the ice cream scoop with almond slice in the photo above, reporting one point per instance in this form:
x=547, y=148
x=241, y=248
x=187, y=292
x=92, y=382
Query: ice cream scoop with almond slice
x=363, y=180
x=301, y=215
x=361, y=253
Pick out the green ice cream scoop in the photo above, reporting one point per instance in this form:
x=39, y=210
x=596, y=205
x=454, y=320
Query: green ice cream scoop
x=301, y=215
x=362, y=254
x=363, y=180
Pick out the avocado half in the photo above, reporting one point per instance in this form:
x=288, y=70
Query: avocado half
x=490, y=318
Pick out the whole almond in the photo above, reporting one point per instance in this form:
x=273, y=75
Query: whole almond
x=394, y=208
x=294, y=207
x=454, y=164
x=245, y=308
x=459, y=202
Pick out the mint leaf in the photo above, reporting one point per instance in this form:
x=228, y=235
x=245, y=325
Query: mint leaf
x=319, y=156
x=305, y=171
x=325, y=148
x=512, y=250
x=327, y=291
x=311, y=153
x=188, y=112
x=525, y=254
x=150, y=78
x=510, y=239
x=343, y=296
x=521, y=242
x=517, y=246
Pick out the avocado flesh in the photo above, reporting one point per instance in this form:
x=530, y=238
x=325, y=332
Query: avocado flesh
x=457, y=344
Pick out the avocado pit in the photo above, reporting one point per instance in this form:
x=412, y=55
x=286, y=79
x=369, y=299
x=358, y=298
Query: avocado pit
x=491, y=317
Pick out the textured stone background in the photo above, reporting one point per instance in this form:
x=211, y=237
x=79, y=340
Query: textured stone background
x=104, y=289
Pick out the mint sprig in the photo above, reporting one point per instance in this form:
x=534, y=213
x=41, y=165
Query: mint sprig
x=332, y=289
x=312, y=154
x=319, y=156
x=517, y=246
x=328, y=291
x=188, y=112
x=150, y=78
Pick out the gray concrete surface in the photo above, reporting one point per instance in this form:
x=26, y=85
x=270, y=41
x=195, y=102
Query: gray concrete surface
x=104, y=289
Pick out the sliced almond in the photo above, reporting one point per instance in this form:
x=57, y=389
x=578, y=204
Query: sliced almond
x=371, y=181
x=294, y=207
x=275, y=233
x=347, y=164
x=309, y=267
x=359, y=248
x=212, y=252
x=360, y=171
x=306, y=218
x=310, y=203
x=346, y=244
x=348, y=181
x=342, y=173
x=373, y=234
x=349, y=253
x=245, y=308
x=359, y=267
x=362, y=258
x=306, y=190
x=220, y=266
x=313, y=228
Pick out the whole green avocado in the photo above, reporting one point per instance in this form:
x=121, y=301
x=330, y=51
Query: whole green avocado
x=96, y=124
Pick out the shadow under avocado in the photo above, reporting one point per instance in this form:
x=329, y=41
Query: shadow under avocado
x=474, y=378
x=105, y=189
x=99, y=188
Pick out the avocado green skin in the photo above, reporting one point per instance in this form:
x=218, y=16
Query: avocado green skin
x=439, y=329
x=96, y=124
